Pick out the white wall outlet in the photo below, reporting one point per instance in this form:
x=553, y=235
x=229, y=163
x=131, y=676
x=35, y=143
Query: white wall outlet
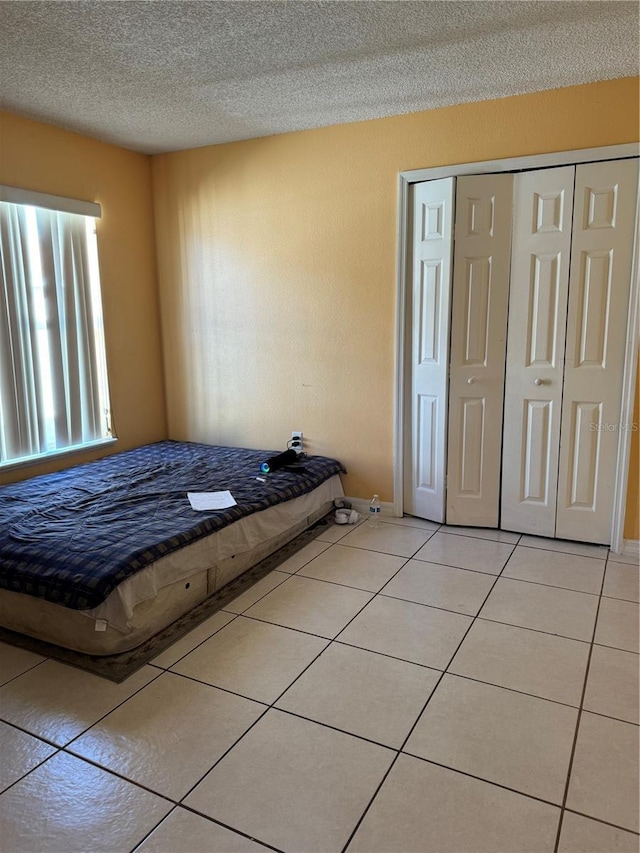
x=295, y=435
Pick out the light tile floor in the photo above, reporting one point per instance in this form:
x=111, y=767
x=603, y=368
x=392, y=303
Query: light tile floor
x=406, y=688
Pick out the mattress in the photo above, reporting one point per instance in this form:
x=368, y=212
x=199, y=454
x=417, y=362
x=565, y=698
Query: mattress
x=170, y=587
x=72, y=537
x=113, y=548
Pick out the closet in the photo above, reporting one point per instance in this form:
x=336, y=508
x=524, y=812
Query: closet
x=518, y=317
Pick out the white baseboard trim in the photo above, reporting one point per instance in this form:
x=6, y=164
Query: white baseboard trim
x=631, y=548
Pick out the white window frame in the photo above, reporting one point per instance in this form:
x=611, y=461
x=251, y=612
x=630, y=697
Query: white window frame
x=62, y=204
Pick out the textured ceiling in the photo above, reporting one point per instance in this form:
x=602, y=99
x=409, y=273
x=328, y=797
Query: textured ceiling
x=159, y=76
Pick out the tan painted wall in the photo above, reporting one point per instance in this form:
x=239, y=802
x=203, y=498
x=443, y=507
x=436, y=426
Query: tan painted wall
x=43, y=158
x=277, y=267
x=632, y=518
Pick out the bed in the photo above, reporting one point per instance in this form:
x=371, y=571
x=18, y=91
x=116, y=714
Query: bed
x=102, y=556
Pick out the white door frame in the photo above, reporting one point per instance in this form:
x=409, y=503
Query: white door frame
x=403, y=272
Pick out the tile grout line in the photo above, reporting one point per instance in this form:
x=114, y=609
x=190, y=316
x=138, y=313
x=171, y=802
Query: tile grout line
x=57, y=749
x=277, y=699
x=66, y=747
x=379, y=654
x=268, y=707
x=433, y=691
x=578, y=720
x=605, y=822
x=191, y=810
x=153, y=829
x=111, y=710
x=234, y=616
x=28, y=669
x=335, y=639
x=330, y=642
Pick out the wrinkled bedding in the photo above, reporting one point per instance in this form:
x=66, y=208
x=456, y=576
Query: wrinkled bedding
x=73, y=536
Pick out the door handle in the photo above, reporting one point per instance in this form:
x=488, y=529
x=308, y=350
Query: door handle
x=539, y=381
x=471, y=380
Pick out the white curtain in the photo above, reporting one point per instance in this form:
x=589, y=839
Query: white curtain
x=47, y=341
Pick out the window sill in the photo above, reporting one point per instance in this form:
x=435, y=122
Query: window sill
x=41, y=458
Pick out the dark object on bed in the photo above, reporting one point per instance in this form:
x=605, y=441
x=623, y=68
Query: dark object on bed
x=282, y=460
x=73, y=536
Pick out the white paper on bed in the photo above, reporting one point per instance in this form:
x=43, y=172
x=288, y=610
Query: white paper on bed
x=211, y=500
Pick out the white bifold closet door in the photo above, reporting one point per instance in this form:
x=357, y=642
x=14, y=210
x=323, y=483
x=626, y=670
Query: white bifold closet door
x=601, y=259
x=541, y=252
x=425, y=458
x=478, y=341
x=569, y=299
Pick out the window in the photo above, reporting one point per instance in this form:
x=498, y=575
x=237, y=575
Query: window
x=54, y=392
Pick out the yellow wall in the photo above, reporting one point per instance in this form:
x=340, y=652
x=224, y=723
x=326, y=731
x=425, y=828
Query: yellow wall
x=40, y=157
x=277, y=267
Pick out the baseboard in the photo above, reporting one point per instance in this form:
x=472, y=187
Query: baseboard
x=630, y=548
x=361, y=505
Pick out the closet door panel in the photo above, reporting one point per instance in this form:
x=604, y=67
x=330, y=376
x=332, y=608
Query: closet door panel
x=478, y=341
x=540, y=257
x=603, y=232
x=428, y=321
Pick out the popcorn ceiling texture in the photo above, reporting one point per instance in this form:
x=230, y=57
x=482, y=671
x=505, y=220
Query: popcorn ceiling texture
x=161, y=76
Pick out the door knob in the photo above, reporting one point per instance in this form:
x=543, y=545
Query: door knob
x=471, y=380
x=539, y=381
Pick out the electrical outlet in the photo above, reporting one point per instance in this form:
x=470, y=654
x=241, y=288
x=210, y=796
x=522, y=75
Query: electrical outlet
x=297, y=435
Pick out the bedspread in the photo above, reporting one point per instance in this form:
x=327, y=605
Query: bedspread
x=73, y=536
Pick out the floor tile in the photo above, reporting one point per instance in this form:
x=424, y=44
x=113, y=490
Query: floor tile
x=491, y=533
x=309, y=605
x=604, y=777
x=583, y=574
x=441, y=586
x=58, y=702
x=543, y=608
x=354, y=567
x=15, y=661
x=583, y=549
x=423, y=807
x=409, y=631
x=256, y=592
x=618, y=624
x=631, y=559
x=185, y=831
x=515, y=740
x=411, y=521
x=79, y=808
x=612, y=685
x=168, y=735
x=293, y=784
x=20, y=753
x=363, y=693
x=463, y=552
x=582, y=835
x=622, y=581
x=524, y=660
x=255, y=659
x=401, y=540
x=334, y=532
x=302, y=557
x=189, y=642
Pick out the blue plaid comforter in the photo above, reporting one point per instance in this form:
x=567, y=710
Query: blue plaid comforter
x=73, y=536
